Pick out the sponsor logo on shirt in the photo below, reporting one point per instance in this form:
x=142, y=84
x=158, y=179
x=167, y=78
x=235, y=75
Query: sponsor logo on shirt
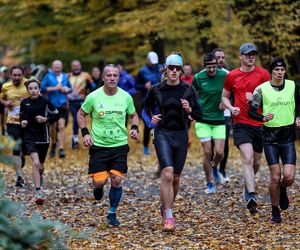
x=279, y=102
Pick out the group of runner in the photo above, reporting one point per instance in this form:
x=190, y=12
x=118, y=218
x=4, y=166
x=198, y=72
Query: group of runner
x=265, y=113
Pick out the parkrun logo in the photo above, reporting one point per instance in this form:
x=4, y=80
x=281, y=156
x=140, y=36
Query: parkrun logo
x=279, y=102
x=102, y=113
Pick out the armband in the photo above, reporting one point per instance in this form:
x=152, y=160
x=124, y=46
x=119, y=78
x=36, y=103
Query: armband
x=84, y=131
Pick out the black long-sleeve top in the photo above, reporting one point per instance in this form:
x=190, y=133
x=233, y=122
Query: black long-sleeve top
x=29, y=109
x=168, y=99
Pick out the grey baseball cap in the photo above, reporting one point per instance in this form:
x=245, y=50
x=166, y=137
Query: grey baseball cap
x=247, y=48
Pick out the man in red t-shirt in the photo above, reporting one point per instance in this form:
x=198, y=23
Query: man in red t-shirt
x=187, y=75
x=241, y=82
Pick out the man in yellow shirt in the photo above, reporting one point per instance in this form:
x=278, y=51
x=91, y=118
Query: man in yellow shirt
x=11, y=95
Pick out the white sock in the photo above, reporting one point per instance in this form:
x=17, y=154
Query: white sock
x=169, y=214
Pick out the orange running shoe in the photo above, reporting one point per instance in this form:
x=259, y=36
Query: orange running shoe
x=169, y=225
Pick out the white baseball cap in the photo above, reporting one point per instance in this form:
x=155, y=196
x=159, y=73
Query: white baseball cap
x=3, y=68
x=152, y=57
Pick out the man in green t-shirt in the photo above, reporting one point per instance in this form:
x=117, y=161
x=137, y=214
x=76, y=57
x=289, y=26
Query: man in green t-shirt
x=209, y=84
x=107, y=143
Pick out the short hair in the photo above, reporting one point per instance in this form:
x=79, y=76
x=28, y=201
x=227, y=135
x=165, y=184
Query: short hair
x=208, y=58
x=31, y=81
x=217, y=50
x=109, y=66
x=17, y=67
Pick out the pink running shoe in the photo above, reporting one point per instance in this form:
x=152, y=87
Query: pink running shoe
x=169, y=225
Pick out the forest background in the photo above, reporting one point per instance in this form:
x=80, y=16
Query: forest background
x=99, y=32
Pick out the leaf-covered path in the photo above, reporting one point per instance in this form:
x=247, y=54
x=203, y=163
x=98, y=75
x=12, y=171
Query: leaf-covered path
x=218, y=221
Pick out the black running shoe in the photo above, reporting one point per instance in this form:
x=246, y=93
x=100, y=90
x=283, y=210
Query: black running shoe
x=112, y=219
x=52, y=151
x=20, y=182
x=252, y=204
x=276, y=218
x=61, y=153
x=283, y=199
x=98, y=193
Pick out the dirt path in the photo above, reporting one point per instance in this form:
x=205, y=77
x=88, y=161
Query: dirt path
x=218, y=221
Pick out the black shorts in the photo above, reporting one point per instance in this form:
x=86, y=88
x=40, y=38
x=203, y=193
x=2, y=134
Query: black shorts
x=63, y=112
x=106, y=159
x=15, y=131
x=40, y=148
x=171, y=148
x=286, y=152
x=244, y=133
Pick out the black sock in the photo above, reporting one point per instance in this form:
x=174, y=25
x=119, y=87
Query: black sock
x=115, y=195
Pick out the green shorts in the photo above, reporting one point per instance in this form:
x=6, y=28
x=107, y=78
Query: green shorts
x=206, y=131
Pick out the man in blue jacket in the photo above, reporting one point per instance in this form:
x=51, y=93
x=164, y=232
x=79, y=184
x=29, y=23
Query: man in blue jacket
x=126, y=81
x=148, y=75
x=56, y=86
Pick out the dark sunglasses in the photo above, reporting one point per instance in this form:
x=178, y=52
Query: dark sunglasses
x=172, y=67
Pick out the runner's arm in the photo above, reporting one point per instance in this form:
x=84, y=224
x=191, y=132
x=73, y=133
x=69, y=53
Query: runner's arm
x=255, y=103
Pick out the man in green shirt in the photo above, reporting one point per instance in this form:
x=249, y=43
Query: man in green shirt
x=107, y=143
x=209, y=84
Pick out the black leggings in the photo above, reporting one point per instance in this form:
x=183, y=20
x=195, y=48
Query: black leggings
x=146, y=138
x=171, y=148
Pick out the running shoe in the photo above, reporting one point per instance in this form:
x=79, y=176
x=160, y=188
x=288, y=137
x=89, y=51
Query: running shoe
x=283, y=198
x=98, y=193
x=61, y=153
x=276, y=218
x=246, y=194
x=210, y=188
x=169, y=225
x=52, y=150
x=146, y=151
x=20, y=182
x=39, y=198
x=223, y=177
x=252, y=204
x=215, y=173
x=75, y=143
x=112, y=219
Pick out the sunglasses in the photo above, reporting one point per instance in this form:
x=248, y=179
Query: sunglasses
x=172, y=67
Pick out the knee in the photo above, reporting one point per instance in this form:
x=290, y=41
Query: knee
x=167, y=177
x=219, y=154
x=248, y=161
x=289, y=179
x=208, y=154
x=275, y=179
x=36, y=164
x=61, y=127
x=100, y=184
x=116, y=180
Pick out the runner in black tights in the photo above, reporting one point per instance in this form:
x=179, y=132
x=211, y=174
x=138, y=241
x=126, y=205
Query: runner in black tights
x=176, y=101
